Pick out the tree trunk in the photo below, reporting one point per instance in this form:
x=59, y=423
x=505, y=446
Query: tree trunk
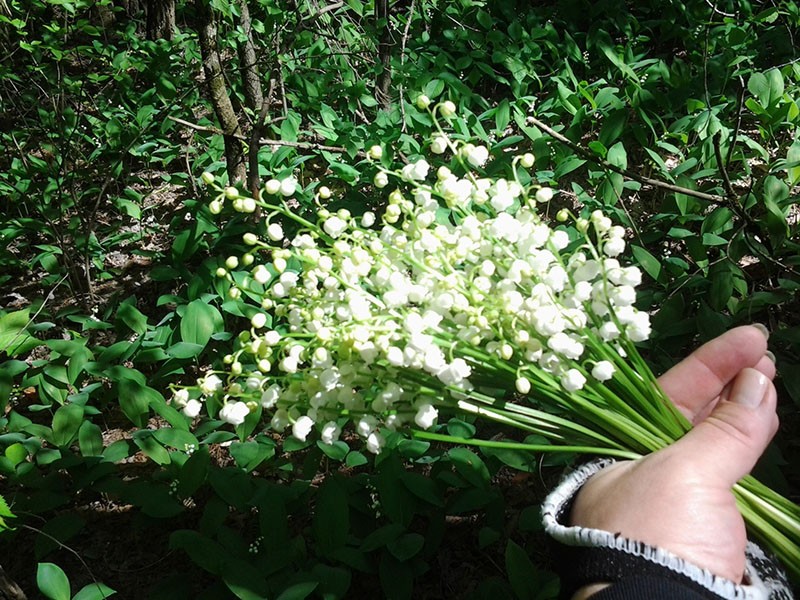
x=248, y=62
x=160, y=19
x=9, y=590
x=384, y=52
x=229, y=123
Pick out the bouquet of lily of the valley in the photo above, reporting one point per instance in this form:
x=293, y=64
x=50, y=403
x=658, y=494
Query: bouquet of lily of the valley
x=459, y=298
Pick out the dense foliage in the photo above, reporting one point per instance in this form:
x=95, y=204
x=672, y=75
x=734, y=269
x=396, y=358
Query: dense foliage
x=679, y=119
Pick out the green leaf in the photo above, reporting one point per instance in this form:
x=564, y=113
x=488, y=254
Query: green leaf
x=148, y=444
x=519, y=569
x=66, y=423
x=132, y=317
x=336, y=451
x=406, y=546
x=14, y=339
x=298, y=591
x=647, y=261
x=200, y=320
x=793, y=158
x=459, y=428
x=134, y=399
x=355, y=459
x=244, y=580
x=94, y=591
x=249, y=455
x=470, y=466
x=331, y=521
x=90, y=439
x=759, y=86
x=53, y=582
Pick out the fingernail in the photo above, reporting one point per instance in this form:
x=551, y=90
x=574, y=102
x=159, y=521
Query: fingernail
x=749, y=388
x=770, y=356
x=762, y=328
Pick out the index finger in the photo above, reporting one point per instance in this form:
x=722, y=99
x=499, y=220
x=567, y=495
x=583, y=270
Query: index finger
x=695, y=383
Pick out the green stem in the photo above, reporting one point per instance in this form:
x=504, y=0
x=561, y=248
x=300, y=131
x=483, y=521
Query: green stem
x=539, y=448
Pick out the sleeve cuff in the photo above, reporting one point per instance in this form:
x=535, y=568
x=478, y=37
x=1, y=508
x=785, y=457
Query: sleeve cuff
x=593, y=555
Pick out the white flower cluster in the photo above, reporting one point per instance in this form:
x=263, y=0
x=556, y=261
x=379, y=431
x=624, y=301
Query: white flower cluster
x=384, y=326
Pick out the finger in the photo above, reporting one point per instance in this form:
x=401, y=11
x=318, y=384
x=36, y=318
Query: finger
x=731, y=439
x=698, y=380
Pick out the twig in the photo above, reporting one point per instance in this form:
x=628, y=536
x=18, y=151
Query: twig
x=262, y=141
x=50, y=296
x=64, y=547
x=726, y=181
x=739, y=111
x=403, y=42
x=624, y=172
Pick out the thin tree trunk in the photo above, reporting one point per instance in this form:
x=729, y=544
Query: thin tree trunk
x=9, y=590
x=384, y=52
x=248, y=62
x=229, y=123
x=160, y=19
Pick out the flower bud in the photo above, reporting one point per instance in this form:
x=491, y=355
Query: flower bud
x=248, y=205
x=234, y=293
x=221, y=272
x=523, y=385
x=273, y=187
x=247, y=259
x=375, y=152
x=275, y=232
x=447, y=109
x=562, y=216
x=544, y=194
x=423, y=102
x=527, y=160
x=439, y=144
x=381, y=180
x=215, y=207
x=582, y=225
x=368, y=219
x=236, y=368
x=259, y=320
x=207, y=178
x=324, y=192
x=232, y=262
x=288, y=186
x=250, y=239
x=231, y=193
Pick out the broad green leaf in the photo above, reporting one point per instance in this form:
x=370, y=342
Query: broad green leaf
x=298, y=591
x=759, y=86
x=331, y=522
x=53, y=582
x=14, y=339
x=90, y=439
x=94, y=591
x=66, y=423
x=470, y=466
x=647, y=261
x=406, y=546
x=199, y=321
x=148, y=444
x=793, y=158
x=134, y=399
x=520, y=570
x=132, y=317
x=244, y=580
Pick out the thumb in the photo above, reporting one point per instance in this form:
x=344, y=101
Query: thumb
x=728, y=443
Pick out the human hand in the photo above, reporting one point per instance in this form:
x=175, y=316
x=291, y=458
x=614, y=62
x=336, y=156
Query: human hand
x=680, y=498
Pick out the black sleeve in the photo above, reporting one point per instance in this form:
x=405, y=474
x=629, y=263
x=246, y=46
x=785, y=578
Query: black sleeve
x=647, y=587
x=636, y=570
